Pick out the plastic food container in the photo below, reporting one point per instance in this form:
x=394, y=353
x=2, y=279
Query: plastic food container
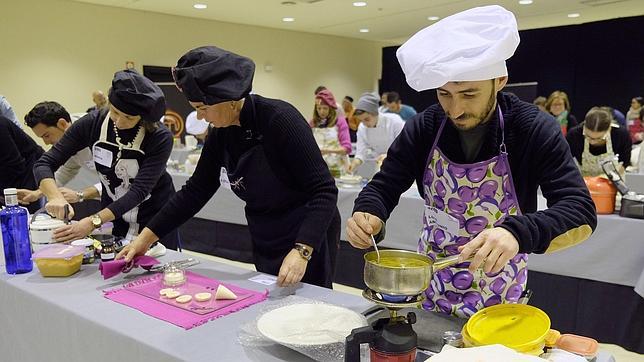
x=59, y=260
x=551, y=338
x=42, y=229
x=583, y=346
x=603, y=193
x=88, y=244
x=517, y=326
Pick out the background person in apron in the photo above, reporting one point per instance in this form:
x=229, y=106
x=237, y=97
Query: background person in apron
x=597, y=140
x=331, y=132
x=478, y=158
x=376, y=131
x=263, y=150
x=130, y=148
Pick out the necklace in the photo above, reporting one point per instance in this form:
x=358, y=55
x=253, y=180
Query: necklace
x=125, y=145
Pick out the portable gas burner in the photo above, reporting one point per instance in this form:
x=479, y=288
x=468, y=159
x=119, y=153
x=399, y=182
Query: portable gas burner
x=390, y=339
x=394, y=302
x=396, y=279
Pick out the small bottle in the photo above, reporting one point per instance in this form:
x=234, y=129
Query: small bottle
x=15, y=235
x=108, y=251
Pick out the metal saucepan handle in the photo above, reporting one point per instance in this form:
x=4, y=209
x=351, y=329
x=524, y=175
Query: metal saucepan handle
x=42, y=210
x=442, y=263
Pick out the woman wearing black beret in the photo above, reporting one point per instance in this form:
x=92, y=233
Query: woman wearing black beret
x=130, y=148
x=264, y=151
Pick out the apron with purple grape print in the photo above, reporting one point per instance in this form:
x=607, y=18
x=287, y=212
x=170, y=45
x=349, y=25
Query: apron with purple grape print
x=461, y=200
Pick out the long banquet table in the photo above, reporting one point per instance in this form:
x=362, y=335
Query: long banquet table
x=68, y=319
x=607, y=269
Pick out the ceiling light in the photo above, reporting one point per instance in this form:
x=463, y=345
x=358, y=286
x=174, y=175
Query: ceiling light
x=200, y=6
x=433, y=18
x=365, y=30
x=525, y=2
x=360, y=3
x=288, y=20
x=573, y=15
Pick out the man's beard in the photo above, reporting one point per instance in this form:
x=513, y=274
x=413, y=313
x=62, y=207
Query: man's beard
x=479, y=118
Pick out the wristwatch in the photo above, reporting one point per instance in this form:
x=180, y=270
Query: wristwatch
x=80, y=195
x=96, y=221
x=305, y=251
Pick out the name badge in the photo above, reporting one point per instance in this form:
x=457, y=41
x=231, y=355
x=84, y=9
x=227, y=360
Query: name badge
x=223, y=178
x=102, y=156
x=442, y=220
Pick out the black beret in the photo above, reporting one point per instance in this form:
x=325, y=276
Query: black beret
x=212, y=75
x=136, y=95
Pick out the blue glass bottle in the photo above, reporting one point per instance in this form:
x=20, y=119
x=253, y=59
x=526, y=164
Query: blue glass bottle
x=15, y=235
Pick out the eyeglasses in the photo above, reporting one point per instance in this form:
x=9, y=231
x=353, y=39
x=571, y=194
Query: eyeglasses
x=601, y=138
x=173, y=71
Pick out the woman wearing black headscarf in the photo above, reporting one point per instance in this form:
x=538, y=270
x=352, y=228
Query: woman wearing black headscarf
x=130, y=148
x=264, y=151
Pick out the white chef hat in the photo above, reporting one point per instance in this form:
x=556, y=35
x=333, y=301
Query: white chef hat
x=469, y=46
x=195, y=126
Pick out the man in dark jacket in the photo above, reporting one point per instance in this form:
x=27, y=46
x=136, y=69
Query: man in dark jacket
x=478, y=158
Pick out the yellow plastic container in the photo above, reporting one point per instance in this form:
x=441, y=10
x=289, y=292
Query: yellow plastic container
x=517, y=326
x=551, y=338
x=535, y=350
x=59, y=260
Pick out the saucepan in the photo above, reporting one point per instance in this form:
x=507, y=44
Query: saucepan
x=402, y=273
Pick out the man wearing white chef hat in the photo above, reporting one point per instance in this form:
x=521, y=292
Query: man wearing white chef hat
x=478, y=158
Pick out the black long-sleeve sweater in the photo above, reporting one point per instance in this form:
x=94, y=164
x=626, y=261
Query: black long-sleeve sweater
x=18, y=153
x=293, y=156
x=538, y=156
x=150, y=179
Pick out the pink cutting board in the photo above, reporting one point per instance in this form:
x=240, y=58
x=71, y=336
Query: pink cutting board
x=150, y=287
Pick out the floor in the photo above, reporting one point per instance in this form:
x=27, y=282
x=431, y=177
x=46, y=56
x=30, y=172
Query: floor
x=620, y=354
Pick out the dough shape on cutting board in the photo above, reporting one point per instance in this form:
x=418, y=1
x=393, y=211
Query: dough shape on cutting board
x=224, y=293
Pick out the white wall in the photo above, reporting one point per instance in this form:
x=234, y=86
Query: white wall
x=63, y=50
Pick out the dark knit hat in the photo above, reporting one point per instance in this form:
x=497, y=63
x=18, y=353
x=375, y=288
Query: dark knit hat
x=136, y=95
x=212, y=75
x=368, y=102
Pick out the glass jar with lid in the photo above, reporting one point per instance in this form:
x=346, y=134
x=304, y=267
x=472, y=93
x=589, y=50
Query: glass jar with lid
x=173, y=276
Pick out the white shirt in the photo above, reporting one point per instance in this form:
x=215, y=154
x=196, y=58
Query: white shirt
x=372, y=142
x=69, y=169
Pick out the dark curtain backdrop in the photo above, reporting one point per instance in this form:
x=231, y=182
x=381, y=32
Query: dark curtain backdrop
x=598, y=63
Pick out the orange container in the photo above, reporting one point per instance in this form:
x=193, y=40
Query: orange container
x=603, y=193
x=583, y=346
